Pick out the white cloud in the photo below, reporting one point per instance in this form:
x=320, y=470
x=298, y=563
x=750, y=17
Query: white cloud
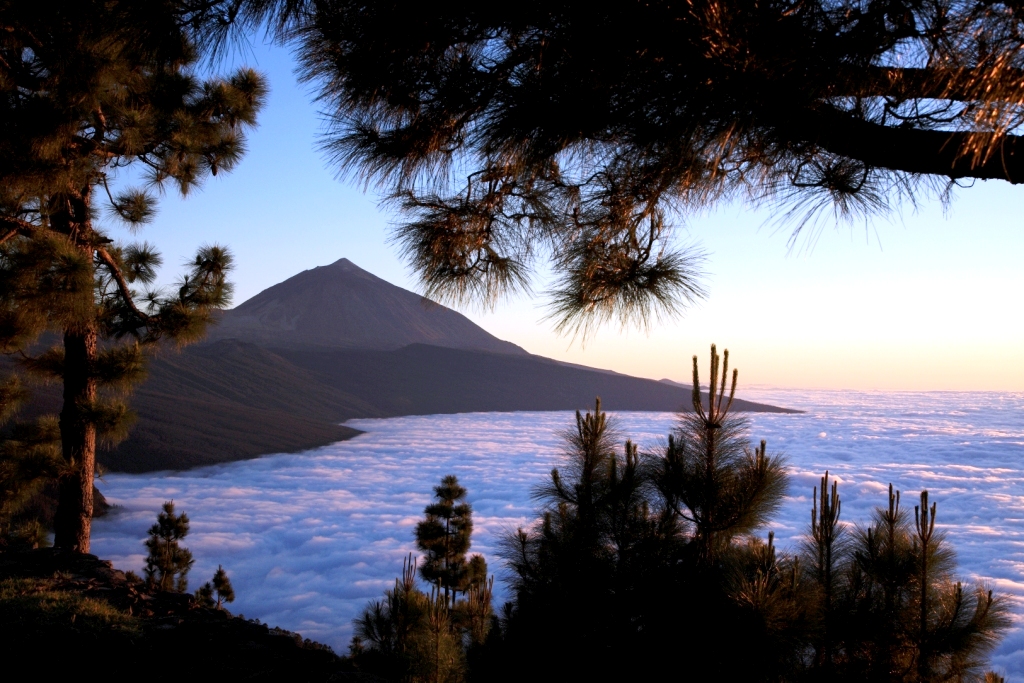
x=309, y=538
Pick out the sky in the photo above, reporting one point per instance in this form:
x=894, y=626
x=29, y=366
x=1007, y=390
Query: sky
x=925, y=300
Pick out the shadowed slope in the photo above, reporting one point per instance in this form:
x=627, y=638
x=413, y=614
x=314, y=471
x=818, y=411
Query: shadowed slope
x=229, y=401
x=421, y=380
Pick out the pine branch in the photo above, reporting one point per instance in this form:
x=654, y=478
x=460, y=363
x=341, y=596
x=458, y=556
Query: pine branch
x=122, y=284
x=17, y=227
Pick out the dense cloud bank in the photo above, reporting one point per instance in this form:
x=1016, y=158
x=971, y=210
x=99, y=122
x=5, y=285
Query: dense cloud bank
x=309, y=538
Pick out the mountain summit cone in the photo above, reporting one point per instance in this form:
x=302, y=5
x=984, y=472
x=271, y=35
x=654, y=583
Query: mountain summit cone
x=342, y=306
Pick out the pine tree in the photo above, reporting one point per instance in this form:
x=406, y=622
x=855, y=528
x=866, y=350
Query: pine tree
x=476, y=571
x=168, y=563
x=825, y=550
x=29, y=462
x=98, y=94
x=444, y=535
x=710, y=477
x=893, y=610
x=204, y=595
x=410, y=635
x=587, y=580
x=387, y=627
x=222, y=585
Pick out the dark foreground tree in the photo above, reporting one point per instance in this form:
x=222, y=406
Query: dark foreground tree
x=651, y=555
x=30, y=461
x=168, y=563
x=886, y=603
x=95, y=93
x=516, y=132
x=418, y=637
x=444, y=535
x=647, y=563
x=710, y=477
x=220, y=586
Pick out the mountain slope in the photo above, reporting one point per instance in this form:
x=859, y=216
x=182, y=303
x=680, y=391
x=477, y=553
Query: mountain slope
x=343, y=306
x=421, y=380
x=229, y=401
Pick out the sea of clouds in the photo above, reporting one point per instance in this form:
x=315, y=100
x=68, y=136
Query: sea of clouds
x=309, y=538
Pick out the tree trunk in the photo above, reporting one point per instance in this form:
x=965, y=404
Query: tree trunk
x=73, y=523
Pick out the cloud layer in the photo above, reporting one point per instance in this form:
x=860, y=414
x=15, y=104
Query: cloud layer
x=309, y=538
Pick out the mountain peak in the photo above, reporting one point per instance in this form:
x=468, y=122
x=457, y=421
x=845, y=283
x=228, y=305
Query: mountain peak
x=344, y=264
x=340, y=305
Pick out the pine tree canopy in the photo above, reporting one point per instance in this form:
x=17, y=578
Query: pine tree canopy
x=30, y=459
x=444, y=535
x=710, y=477
x=222, y=585
x=168, y=563
x=584, y=134
x=101, y=110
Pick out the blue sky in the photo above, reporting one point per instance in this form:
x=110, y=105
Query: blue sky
x=922, y=301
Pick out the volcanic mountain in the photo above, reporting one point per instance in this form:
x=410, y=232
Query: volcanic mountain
x=344, y=306
x=284, y=369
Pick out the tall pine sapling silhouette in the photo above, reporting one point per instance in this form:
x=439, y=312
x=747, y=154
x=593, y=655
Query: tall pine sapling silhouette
x=222, y=585
x=476, y=610
x=444, y=537
x=387, y=626
x=168, y=563
x=924, y=525
x=892, y=610
x=710, y=477
x=90, y=89
x=585, y=576
x=825, y=550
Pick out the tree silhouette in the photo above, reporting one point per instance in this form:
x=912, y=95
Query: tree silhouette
x=222, y=585
x=444, y=535
x=98, y=95
x=888, y=606
x=29, y=462
x=582, y=576
x=411, y=635
x=168, y=563
x=825, y=550
x=710, y=477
